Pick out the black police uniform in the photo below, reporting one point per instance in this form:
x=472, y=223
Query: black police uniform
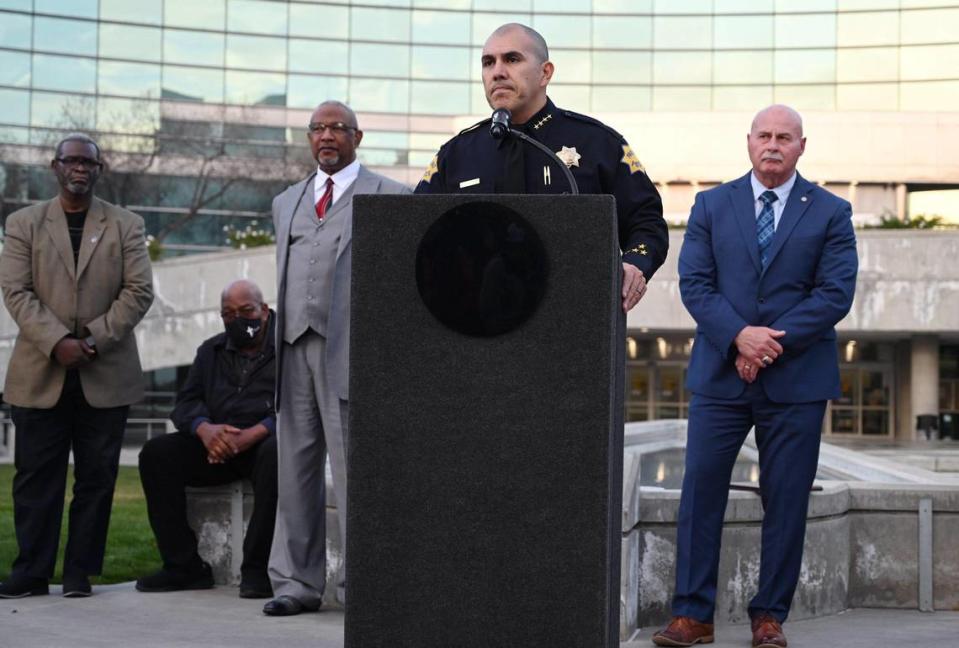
x=601, y=162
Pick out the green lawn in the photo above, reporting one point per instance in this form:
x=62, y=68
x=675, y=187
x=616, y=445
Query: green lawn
x=131, y=548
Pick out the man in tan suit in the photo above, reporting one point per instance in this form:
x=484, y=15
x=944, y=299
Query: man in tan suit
x=76, y=279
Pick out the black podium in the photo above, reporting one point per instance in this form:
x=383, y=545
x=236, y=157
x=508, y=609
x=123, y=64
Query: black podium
x=486, y=422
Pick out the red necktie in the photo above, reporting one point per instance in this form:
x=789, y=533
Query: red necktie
x=326, y=200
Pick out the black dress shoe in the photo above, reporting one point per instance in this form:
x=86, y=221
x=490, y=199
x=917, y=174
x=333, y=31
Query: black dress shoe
x=76, y=587
x=20, y=586
x=255, y=589
x=286, y=606
x=174, y=580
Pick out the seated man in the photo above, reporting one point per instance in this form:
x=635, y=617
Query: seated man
x=225, y=420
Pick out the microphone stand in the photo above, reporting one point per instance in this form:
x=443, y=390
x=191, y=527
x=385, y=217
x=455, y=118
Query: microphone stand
x=574, y=188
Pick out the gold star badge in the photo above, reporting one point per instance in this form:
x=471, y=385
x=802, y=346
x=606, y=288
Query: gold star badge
x=569, y=156
x=640, y=249
x=431, y=169
x=630, y=160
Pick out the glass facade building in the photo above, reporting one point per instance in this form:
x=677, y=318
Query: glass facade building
x=246, y=74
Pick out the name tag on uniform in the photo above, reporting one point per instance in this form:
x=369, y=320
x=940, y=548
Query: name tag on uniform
x=469, y=183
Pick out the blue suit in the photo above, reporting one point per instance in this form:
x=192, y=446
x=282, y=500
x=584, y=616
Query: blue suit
x=805, y=289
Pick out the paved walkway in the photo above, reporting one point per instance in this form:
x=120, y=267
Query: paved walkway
x=118, y=616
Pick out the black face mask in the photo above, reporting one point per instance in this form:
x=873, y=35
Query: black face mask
x=243, y=331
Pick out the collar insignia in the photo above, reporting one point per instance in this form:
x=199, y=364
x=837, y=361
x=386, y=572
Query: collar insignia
x=569, y=156
x=542, y=121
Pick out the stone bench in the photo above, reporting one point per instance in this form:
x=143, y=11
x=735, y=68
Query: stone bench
x=214, y=512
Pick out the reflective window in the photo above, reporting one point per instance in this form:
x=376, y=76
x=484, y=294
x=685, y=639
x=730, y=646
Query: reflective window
x=379, y=95
x=16, y=106
x=321, y=21
x=930, y=26
x=745, y=98
x=129, y=79
x=622, y=67
x=686, y=6
x=478, y=103
x=78, y=8
x=505, y=5
x=621, y=31
x=810, y=66
x=254, y=88
x=847, y=5
x=380, y=24
x=571, y=97
x=141, y=11
x=313, y=56
x=15, y=31
x=196, y=48
x=807, y=97
x=128, y=115
x=742, y=67
x=621, y=98
x=878, y=28
x=440, y=63
x=209, y=14
x=867, y=64
x=431, y=97
x=443, y=4
x=929, y=95
x=70, y=74
x=62, y=111
x=256, y=52
x=572, y=6
x=681, y=67
x=19, y=5
x=192, y=84
x=867, y=96
x=686, y=32
x=928, y=62
x=743, y=6
x=738, y=32
x=572, y=66
x=441, y=27
x=812, y=30
x=256, y=16
x=310, y=91
x=562, y=31
x=484, y=24
x=787, y=6
x=368, y=59
x=126, y=42
x=67, y=36
x=681, y=99
x=14, y=70
x=623, y=6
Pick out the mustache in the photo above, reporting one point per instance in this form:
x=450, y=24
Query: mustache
x=773, y=156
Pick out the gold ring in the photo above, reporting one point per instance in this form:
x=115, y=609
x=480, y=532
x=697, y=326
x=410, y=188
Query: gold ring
x=767, y=360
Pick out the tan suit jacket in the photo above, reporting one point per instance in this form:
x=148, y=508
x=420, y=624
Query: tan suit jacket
x=107, y=292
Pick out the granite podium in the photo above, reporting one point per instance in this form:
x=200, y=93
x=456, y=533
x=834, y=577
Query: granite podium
x=486, y=422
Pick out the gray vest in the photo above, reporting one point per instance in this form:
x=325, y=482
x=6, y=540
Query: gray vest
x=309, y=269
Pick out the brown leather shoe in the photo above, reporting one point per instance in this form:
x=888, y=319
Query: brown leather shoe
x=767, y=633
x=684, y=631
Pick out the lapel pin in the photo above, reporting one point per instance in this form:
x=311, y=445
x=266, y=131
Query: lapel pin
x=803, y=199
x=93, y=240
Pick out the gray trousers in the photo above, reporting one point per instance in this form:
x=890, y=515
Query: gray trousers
x=312, y=421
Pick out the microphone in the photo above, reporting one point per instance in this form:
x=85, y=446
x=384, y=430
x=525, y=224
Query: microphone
x=499, y=128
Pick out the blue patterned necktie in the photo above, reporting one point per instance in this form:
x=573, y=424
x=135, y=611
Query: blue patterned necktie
x=766, y=224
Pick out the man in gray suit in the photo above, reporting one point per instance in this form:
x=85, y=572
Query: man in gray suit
x=313, y=223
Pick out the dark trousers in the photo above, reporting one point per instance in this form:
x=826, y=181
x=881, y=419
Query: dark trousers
x=787, y=437
x=44, y=440
x=170, y=463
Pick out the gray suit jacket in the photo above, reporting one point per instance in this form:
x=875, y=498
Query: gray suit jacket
x=300, y=197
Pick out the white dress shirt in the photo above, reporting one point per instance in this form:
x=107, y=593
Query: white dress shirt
x=342, y=180
x=782, y=191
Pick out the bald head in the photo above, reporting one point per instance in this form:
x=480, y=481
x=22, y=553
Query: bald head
x=350, y=116
x=242, y=290
x=775, y=142
x=783, y=113
x=537, y=44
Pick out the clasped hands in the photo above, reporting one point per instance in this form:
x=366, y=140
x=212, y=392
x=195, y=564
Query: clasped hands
x=223, y=441
x=71, y=352
x=758, y=348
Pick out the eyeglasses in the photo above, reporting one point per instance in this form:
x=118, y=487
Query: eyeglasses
x=74, y=161
x=338, y=128
x=246, y=312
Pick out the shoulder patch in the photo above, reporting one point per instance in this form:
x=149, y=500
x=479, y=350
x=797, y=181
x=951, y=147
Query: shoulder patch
x=590, y=120
x=431, y=169
x=631, y=161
